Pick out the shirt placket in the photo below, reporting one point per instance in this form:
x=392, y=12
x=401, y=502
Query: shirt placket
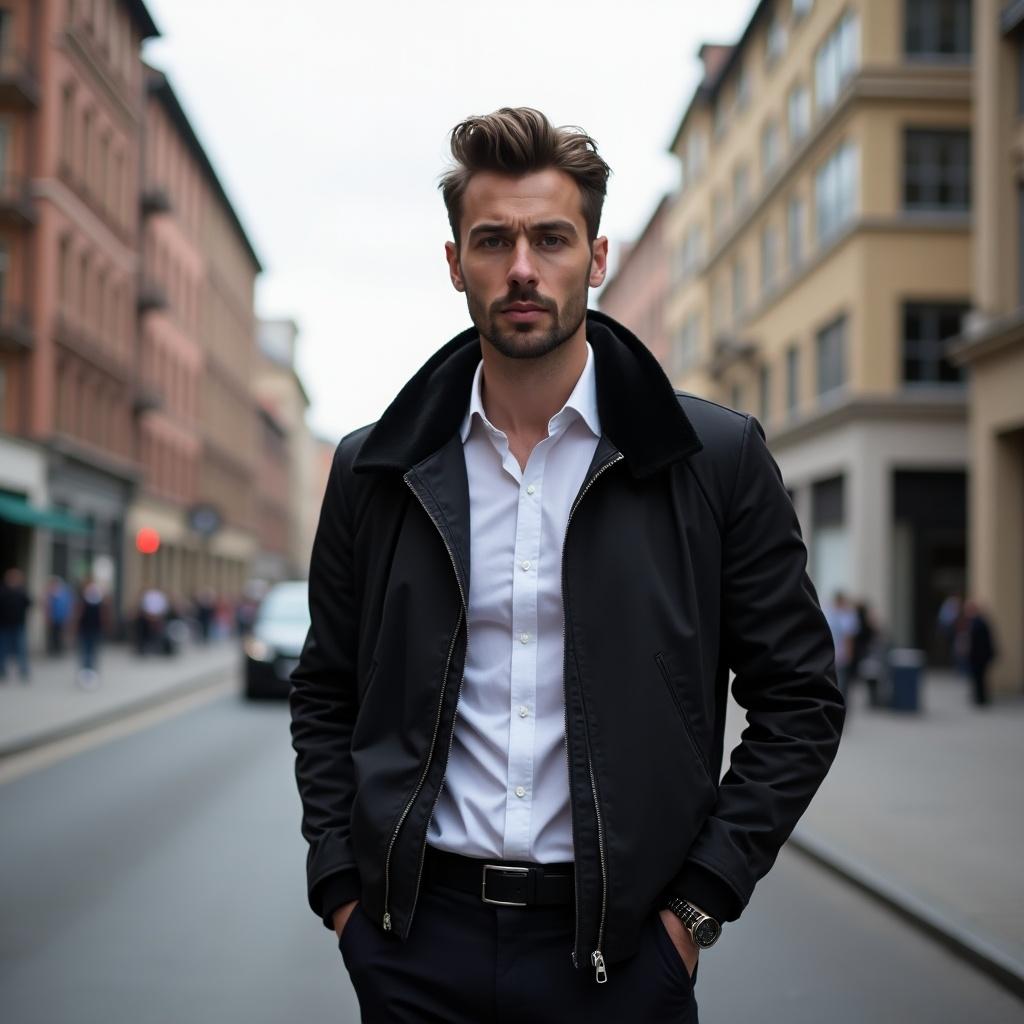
x=525, y=626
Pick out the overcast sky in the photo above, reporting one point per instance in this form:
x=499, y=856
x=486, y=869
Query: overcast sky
x=328, y=122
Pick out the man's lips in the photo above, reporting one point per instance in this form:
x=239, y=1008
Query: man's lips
x=524, y=312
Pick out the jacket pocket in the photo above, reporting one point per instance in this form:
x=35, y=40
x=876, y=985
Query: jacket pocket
x=691, y=734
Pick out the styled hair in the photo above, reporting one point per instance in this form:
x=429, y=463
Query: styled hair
x=518, y=141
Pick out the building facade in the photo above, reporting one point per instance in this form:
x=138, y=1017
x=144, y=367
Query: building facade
x=992, y=348
x=279, y=388
x=822, y=252
x=636, y=293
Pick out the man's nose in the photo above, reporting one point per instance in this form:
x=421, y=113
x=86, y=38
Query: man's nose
x=523, y=270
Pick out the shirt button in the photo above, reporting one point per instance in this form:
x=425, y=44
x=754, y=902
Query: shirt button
x=524, y=638
x=520, y=792
x=523, y=710
x=526, y=565
x=530, y=489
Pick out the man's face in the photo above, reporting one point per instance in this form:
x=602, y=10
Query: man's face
x=524, y=260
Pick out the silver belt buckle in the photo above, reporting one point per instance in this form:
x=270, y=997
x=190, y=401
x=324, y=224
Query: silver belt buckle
x=483, y=886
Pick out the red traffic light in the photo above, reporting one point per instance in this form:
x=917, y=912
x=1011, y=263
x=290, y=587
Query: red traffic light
x=147, y=541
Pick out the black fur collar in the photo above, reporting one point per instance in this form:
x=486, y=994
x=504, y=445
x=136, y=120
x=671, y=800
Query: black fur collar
x=640, y=413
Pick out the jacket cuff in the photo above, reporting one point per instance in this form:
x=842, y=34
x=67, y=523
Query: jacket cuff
x=706, y=890
x=332, y=892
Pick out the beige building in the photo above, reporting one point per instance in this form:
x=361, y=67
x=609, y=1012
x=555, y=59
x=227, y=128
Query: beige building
x=993, y=347
x=279, y=388
x=821, y=250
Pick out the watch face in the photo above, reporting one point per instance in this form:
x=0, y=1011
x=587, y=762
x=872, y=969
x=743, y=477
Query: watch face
x=706, y=933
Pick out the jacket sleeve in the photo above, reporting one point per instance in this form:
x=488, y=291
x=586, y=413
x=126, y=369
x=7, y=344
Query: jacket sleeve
x=777, y=642
x=323, y=706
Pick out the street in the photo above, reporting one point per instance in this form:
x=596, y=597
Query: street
x=159, y=877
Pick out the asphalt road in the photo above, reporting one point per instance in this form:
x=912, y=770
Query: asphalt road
x=158, y=879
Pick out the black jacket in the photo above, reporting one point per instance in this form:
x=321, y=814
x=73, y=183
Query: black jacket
x=683, y=559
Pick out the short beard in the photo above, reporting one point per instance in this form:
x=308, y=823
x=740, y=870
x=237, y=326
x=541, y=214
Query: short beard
x=515, y=343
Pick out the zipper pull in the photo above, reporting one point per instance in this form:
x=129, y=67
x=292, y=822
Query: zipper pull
x=387, y=922
x=600, y=972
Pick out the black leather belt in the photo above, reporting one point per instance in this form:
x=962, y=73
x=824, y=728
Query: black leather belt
x=502, y=883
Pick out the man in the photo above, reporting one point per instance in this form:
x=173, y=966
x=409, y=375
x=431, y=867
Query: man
x=529, y=583
x=15, y=602
x=844, y=626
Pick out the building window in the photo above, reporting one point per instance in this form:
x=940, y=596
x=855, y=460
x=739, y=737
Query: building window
x=740, y=187
x=686, y=351
x=774, y=40
x=802, y=7
x=718, y=306
x=835, y=192
x=795, y=232
x=720, y=117
x=831, y=350
x=836, y=60
x=764, y=394
x=691, y=253
x=769, y=258
x=927, y=328
x=718, y=213
x=736, y=396
x=937, y=169
x=937, y=28
x=67, y=123
x=742, y=90
x=694, y=154
x=792, y=379
x=770, y=148
x=739, y=290
x=798, y=113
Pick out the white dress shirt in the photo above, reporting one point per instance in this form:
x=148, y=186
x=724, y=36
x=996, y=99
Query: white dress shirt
x=506, y=790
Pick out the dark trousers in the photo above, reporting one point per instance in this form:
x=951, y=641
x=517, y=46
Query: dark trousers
x=13, y=644
x=467, y=962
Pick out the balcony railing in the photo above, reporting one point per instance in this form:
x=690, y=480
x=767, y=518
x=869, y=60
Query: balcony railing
x=16, y=206
x=15, y=329
x=151, y=296
x=19, y=83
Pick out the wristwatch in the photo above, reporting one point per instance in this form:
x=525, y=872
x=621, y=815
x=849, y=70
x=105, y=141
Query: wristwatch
x=703, y=928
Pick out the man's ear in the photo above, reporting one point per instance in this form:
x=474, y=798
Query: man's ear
x=598, y=261
x=451, y=254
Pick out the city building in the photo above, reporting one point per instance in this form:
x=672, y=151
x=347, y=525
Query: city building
x=992, y=347
x=820, y=245
x=636, y=292
x=271, y=560
x=71, y=99
x=279, y=388
x=170, y=351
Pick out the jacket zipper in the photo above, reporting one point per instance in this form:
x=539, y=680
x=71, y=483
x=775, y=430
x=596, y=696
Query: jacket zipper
x=433, y=741
x=596, y=957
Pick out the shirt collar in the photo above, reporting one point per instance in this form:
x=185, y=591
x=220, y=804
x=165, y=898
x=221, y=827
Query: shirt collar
x=582, y=402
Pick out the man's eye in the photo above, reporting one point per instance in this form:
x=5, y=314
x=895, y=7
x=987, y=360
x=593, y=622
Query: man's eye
x=491, y=242
x=550, y=241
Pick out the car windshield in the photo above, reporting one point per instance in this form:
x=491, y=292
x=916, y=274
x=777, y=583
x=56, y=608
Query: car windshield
x=285, y=604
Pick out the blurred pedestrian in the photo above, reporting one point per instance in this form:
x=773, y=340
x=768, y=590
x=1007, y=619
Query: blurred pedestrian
x=59, y=602
x=90, y=632
x=842, y=620
x=205, y=603
x=947, y=623
x=152, y=620
x=979, y=649
x=15, y=602
x=868, y=652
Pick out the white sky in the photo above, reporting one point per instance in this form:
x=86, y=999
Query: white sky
x=328, y=122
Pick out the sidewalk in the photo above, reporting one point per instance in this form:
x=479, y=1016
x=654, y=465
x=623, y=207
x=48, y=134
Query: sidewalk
x=51, y=706
x=926, y=813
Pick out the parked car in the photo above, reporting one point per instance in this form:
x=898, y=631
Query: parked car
x=273, y=645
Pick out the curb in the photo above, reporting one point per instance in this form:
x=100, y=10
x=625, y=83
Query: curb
x=956, y=935
x=204, y=679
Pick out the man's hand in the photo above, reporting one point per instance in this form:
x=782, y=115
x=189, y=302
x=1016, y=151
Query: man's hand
x=685, y=946
x=341, y=916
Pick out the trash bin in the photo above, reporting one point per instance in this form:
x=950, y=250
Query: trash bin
x=905, y=665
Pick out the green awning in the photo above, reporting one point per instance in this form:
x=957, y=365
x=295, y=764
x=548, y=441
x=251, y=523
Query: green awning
x=15, y=509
